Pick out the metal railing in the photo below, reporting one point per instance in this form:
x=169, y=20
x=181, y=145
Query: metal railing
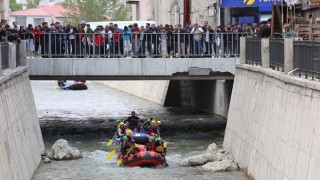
x=306, y=58
x=88, y=45
x=276, y=52
x=4, y=55
x=253, y=51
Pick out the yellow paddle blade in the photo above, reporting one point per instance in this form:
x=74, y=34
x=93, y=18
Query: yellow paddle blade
x=111, y=154
x=56, y=87
x=109, y=143
x=119, y=162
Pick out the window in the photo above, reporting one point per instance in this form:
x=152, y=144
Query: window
x=38, y=21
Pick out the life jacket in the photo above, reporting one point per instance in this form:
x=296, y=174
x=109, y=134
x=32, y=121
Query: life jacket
x=153, y=129
x=131, y=150
x=160, y=148
x=123, y=130
x=150, y=146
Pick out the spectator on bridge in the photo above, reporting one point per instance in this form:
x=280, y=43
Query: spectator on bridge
x=142, y=39
x=209, y=40
x=164, y=41
x=80, y=40
x=197, y=37
x=99, y=42
x=71, y=39
x=37, y=32
x=126, y=40
x=135, y=39
x=44, y=39
x=30, y=39
x=180, y=36
x=152, y=39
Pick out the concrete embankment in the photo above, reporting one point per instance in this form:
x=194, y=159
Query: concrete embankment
x=20, y=136
x=273, y=126
x=212, y=96
x=154, y=91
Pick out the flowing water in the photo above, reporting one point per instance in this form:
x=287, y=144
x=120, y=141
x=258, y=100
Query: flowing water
x=101, y=102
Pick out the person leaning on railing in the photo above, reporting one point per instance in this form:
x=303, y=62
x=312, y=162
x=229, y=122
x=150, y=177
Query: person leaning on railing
x=197, y=31
x=98, y=42
x=181, y=46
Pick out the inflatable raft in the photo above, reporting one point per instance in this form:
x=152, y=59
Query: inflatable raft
x=75, y=86
x=144, y=159
x=140, y=138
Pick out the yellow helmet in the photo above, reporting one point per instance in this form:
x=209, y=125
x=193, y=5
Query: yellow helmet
x=153, y=122
x=158, y=122
x=128, y=132
x=121, y=124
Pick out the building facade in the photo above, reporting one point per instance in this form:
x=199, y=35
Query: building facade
x=35, y=16
x=172, y=11
x=4, y=11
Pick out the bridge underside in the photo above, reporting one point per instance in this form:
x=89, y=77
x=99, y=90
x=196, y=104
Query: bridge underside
x=132, y=69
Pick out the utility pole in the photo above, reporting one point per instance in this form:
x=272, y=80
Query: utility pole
x=186, y=13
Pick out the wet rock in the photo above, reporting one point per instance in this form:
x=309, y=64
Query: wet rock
x=63, y=151
x=218, y=166
x=196, y=160
x=212, y=149
x=44, y=153
x=45, y=160
x=50, y=155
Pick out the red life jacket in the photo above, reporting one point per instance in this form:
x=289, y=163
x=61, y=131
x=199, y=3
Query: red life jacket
x=123, y=130
x=150, y=146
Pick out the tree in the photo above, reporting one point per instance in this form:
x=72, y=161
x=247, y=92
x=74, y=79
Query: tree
x=33, y=4
x=92, y=10
x=14, y=6
x=121, y=13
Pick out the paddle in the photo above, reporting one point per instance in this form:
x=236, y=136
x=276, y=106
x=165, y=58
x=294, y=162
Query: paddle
x=111, y=154
x=111, y=141
x=120, y=162
x=56, y=87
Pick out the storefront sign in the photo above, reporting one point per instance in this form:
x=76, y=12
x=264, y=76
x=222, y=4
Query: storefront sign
x=247, y=3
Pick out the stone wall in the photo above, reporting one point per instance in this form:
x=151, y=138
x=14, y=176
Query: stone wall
x=273, y=126
x=20, y=136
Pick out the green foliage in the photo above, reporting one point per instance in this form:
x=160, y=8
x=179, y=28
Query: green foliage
x=33, y=4
x=14, y=6
x=93, y=10
x=121, y=13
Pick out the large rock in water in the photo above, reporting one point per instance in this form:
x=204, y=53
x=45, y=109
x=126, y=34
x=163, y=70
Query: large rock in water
x=63, y=151
x=211, y=154
x=218, y=166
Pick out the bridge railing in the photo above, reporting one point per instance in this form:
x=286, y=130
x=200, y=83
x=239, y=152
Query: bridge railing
x=276, y=53
x=253, y=53
x=307, y=58
x=166, y=44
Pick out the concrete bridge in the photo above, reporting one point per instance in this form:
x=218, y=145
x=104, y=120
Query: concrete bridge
x=132, y=68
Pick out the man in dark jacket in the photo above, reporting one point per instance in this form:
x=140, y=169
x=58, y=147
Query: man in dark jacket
x=152, y=38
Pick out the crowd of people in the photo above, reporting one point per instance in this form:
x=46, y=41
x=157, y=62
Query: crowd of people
x=111, y=41
x=125, y=128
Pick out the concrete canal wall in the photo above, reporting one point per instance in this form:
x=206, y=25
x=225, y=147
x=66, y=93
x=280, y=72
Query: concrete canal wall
x=212, y=96
x=273, y=126
x=20, y=136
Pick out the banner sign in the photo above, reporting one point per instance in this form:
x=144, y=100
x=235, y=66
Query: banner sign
x=247, y=3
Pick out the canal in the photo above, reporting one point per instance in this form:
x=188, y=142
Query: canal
x=81, y=109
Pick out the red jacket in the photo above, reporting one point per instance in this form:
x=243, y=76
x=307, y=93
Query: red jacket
x=37, y=34
x=98, y=39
